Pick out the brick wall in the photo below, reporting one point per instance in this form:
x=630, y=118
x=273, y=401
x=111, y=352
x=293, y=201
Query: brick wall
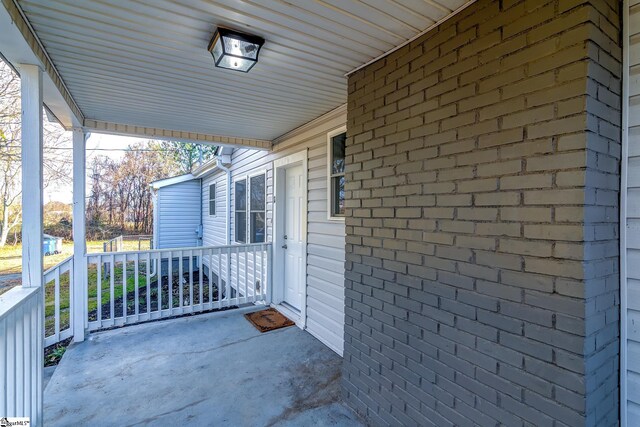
x=482, y=233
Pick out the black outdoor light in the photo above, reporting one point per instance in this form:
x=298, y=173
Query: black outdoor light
x=235, y=51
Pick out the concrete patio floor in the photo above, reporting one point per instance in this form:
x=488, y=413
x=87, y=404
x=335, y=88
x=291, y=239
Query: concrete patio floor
x=207, y=370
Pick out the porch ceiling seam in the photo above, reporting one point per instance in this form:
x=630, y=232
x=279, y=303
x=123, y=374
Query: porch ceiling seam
x=134, y=130
x=27, y=31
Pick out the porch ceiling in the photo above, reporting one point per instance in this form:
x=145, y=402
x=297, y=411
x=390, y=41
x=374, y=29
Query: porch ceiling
x=145, y=62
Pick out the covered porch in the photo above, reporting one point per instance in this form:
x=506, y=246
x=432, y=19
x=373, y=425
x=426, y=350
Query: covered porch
x=95, y=72
x=212, y=369
x=483, y=186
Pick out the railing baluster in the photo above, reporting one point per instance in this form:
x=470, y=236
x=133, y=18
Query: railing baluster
x=245, y=255
x=237, y=251
x=255, y=270
x=219, y=280
x=19, y=349
x=56, y=302
x=159, y=275
x=191, y=278
x=170, y=281
x=267, y=278
x=124, y=288
x=99, y=289
x=180, y=277
x=112, y=287
x=148, y=276
x=136, y=262
x=201, y=279
x=228, y=278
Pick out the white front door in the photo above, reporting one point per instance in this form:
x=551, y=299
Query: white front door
x=293, y=237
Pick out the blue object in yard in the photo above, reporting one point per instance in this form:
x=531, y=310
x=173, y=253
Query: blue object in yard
x=51, y=245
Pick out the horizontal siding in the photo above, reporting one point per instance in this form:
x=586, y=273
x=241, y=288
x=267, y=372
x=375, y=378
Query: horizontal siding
x=325, y=239
x=179, y=215
x=214, y=227
x=633, y=223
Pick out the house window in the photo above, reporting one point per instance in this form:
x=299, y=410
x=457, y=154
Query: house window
x=241, y=211
x=257, y=209
x=250, y=205
x=212, y=199
x=335, y=193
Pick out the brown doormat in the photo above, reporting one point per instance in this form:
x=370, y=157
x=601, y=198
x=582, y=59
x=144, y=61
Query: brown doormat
x=268, y=320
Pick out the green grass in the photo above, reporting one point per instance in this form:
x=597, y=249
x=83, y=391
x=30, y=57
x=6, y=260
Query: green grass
x=11, y=256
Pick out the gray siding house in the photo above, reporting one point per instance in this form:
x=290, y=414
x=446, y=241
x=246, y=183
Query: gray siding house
x=448, y=190
x=177, y=217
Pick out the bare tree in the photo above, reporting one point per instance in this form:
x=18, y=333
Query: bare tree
x=120, y=190
x=57, y=159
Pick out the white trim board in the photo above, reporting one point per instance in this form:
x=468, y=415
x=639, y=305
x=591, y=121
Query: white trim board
x=331, y=134
x=279, y=167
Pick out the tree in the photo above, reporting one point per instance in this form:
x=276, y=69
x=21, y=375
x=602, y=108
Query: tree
x=187, y=155
x=57, y=160
x=120, y=190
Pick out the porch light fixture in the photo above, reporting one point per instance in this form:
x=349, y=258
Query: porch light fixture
x=235, y=51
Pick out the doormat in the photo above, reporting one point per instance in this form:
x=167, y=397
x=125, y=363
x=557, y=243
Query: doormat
x=268, y=320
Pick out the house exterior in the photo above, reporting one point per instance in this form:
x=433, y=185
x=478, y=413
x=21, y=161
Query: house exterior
x=177, y=214
x=471, y=253
x=317, y=305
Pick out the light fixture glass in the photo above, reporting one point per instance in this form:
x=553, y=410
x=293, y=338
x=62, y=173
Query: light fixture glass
x=235, y=51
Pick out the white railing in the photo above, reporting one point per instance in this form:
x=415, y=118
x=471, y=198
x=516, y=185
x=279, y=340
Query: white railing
x=58, y=302
x=21, y=354
x=117, y=243
x=113, y=245
x=130, y=287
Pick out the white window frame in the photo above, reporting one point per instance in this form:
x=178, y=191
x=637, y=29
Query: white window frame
x=247, y=217
x=330, y=135
x=249, y=176
x=213, y=199
x=235, y=210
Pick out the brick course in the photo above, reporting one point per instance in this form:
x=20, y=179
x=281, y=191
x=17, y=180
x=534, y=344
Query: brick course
x=482, y=223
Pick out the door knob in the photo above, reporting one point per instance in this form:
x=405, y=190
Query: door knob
x=284, y=246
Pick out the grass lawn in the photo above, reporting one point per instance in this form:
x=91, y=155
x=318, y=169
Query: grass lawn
x=11, y=256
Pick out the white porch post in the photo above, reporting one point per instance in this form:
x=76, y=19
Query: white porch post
x=32, y=184
x=79, y=235
x=31, y=363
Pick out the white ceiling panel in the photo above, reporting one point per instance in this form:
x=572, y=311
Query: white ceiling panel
x=145, y=62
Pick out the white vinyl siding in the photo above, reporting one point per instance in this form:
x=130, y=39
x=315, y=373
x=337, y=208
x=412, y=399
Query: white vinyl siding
x=214, y=226
x=325, y=238
x=633, y=224
x=212, y=199
x=178, y=215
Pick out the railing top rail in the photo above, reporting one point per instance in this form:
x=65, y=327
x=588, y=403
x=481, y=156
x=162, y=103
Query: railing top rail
x=192, y=248
x=14, y=298
x=59, y=265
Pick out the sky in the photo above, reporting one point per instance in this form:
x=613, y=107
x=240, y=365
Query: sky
x=112, y=146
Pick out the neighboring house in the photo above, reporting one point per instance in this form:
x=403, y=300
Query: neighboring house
x=309, y=273
x=177, y=216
